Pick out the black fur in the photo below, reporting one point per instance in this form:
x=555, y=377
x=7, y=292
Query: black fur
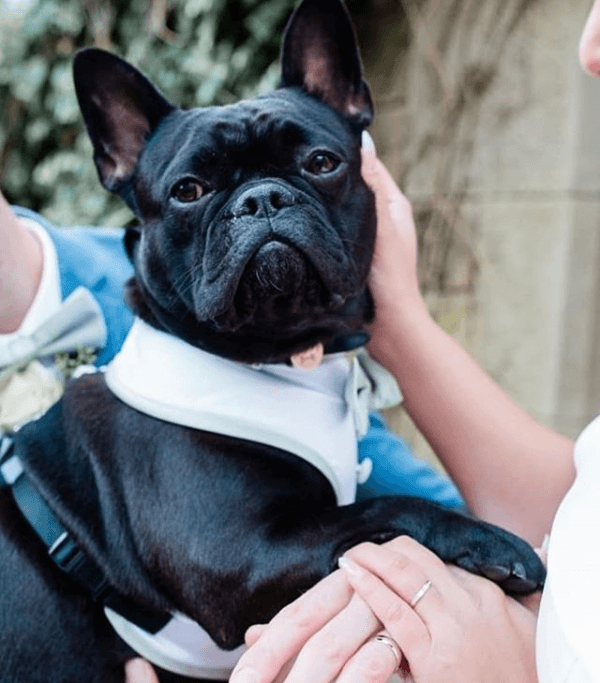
x=272, y=258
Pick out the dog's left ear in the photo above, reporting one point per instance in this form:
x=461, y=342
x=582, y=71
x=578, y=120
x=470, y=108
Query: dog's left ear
x=121, y=109
x=320, y=54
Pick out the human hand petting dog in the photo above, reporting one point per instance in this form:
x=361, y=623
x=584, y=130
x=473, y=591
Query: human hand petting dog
x=393, y=279
x=459, y=627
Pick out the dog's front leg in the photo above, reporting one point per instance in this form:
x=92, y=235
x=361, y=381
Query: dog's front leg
x=297, y=546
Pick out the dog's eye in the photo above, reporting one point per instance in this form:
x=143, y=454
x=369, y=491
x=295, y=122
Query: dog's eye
x=187, y=190
x=321, y=163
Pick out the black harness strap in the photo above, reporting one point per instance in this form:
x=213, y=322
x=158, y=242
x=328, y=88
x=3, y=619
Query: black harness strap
x=62, y=547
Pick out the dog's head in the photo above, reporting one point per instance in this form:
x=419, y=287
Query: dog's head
x=256, y=229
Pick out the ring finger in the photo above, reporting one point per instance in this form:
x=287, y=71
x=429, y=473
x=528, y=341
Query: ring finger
x=404, y=624
x=403, y=575
x=325, y=653
x=376, y=661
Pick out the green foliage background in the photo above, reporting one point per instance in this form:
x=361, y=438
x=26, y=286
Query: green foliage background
x=198, y=52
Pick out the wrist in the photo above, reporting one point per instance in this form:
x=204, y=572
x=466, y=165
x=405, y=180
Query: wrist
x=397, y=323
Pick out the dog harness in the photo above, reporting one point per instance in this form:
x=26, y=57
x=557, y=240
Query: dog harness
x=272, y=404
x=318, y=415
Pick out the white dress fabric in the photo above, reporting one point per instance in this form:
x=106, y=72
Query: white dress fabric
x=568, y=636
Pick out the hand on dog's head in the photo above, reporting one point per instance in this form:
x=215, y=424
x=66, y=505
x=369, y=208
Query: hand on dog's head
x=256, y=229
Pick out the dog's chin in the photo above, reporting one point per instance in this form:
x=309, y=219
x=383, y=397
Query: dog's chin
x=279, y=291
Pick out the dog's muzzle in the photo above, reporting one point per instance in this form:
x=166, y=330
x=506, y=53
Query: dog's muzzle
x=271, y=252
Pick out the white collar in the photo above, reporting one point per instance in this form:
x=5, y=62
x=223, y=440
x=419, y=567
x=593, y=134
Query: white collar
x=163, y=376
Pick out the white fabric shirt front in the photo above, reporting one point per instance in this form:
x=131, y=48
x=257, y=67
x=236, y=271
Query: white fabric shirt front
x=568, y=635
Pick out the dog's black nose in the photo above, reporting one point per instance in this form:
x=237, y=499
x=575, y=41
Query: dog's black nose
x=262, y=200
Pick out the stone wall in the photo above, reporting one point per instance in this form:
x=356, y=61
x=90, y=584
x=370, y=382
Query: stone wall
x=490, y=126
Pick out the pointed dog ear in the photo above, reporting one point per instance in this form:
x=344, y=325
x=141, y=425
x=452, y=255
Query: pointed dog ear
x=320, y=54
x=121, y=109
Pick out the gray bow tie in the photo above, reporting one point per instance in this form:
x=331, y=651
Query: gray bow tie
x=370, y=387
x=78, y=322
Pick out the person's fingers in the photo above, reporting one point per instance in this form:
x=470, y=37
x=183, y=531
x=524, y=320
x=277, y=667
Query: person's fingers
x=387, y=192
x=406, y=567
x=253, y=633
x=375, y=662
x=407, y=627
x=289, y=630
x=324, y=655
x=368, y=157
x=139, y=671
x=531, y=602
x=446, y=582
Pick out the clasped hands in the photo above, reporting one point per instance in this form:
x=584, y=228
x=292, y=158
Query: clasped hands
x=461, y=628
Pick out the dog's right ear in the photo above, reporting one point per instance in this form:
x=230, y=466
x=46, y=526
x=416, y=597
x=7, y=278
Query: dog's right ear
x=121, y=109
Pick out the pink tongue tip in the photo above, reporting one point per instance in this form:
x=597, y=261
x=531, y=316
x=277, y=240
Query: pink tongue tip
x=307, y=360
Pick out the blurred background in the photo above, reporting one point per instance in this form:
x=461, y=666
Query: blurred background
x=482, y=115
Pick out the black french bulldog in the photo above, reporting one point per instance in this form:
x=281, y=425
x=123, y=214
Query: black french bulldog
x=255, y=241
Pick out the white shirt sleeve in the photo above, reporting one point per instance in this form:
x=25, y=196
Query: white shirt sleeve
x=27, y=394
x=48, y=296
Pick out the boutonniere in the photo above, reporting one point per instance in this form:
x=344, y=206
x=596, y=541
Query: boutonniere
x=68, y=362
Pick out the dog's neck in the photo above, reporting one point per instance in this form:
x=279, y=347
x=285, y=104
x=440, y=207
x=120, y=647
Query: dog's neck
x=339, y=333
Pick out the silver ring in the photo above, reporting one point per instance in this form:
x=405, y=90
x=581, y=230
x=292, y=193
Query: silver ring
x=392, y=645
x=420, y=593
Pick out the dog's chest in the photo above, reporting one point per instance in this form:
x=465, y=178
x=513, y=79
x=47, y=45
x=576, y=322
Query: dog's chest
x=312, y=414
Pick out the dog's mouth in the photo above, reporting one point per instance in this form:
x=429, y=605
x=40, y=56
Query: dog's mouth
x=279, y=285
x=273, y=260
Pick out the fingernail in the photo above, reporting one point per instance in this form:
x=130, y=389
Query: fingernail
x=350, y=566
x=367, y=142
x=246, y=675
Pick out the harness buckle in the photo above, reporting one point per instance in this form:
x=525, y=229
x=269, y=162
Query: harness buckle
x=10, y=465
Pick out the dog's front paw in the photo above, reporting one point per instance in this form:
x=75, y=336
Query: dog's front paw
x=503, y=558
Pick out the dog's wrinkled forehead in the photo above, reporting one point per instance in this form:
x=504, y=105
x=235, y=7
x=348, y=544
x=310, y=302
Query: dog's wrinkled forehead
x=265, y=133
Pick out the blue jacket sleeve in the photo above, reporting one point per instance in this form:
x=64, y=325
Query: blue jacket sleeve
x=94, y=258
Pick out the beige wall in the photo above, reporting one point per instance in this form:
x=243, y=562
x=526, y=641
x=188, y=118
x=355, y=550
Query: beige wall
x=488, y=123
